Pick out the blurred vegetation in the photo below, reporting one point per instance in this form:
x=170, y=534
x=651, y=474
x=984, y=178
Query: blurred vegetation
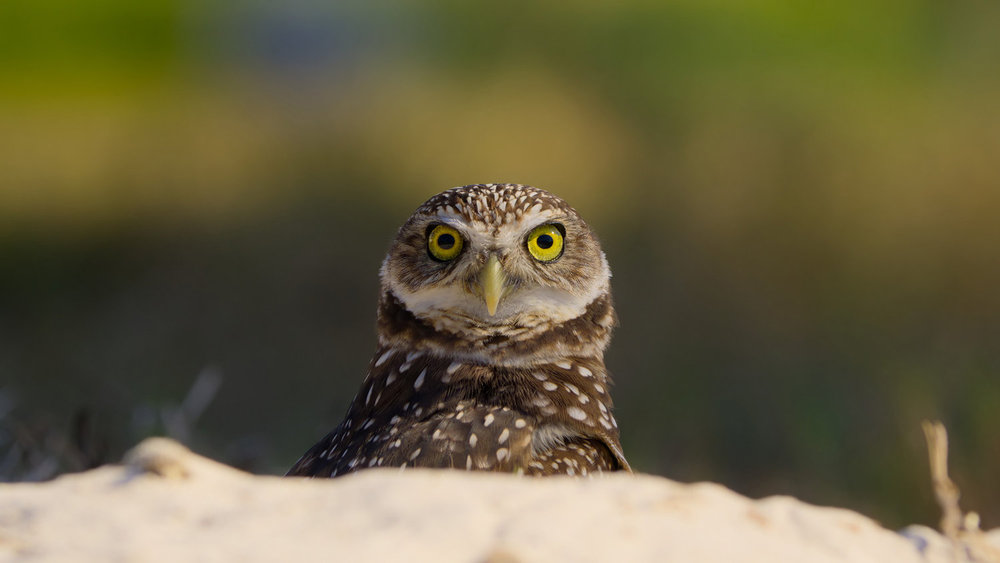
x=799, y=203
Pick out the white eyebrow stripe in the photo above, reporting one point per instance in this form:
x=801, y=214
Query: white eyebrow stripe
x=456, y=221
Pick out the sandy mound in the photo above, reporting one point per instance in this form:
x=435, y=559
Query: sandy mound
x=167, y=504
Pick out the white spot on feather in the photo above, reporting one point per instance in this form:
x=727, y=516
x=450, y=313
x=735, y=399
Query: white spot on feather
x=385, y=356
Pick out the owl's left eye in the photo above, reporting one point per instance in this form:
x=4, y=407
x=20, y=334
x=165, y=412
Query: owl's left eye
x=444, y=243
x=545, y=242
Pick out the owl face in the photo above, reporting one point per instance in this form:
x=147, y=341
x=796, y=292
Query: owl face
x=495, y=257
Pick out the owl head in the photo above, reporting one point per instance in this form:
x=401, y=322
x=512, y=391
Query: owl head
x=492, y=259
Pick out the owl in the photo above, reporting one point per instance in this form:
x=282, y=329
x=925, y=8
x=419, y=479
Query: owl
x=494, y=314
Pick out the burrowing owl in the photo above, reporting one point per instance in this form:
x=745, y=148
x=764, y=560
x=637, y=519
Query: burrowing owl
x=494, y=314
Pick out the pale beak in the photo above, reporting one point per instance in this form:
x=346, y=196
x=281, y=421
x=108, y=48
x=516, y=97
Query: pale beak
x=491, y=279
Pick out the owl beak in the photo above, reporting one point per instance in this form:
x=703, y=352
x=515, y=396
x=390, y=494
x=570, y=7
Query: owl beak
x=492, y=279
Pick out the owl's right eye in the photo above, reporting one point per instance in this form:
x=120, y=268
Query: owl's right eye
x=444, y=243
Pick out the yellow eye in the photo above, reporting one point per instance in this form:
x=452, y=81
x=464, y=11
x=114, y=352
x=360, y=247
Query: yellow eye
x=444, y=243
x=545, y=243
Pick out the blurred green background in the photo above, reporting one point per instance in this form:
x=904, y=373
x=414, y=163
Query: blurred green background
x=799, y=202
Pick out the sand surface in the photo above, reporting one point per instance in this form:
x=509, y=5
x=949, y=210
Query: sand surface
x=168, y=504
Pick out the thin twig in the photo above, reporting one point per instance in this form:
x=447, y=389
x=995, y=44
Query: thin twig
x=962, y=529
x=945, y=489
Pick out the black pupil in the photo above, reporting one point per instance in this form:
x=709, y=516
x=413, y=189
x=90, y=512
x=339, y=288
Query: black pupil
x=446, y=241
x=545, y=241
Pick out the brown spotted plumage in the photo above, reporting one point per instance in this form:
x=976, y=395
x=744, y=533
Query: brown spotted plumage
x=493, y=319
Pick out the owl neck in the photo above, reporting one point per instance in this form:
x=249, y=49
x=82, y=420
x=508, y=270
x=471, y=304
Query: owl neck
x=585, y=336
